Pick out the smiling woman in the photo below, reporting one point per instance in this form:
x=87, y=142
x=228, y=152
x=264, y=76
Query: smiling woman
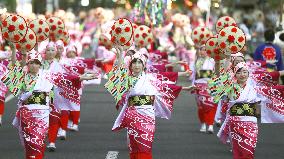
x=143, y=96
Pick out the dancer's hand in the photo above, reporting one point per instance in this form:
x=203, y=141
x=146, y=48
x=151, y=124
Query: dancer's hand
x=88, y=76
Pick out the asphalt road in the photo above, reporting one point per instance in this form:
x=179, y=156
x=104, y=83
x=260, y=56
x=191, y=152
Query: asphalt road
x=177, y=138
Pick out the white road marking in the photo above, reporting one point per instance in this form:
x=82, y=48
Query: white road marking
x=112, y=155
x=10, y=97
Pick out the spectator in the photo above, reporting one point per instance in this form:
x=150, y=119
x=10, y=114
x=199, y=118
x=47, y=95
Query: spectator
x=269, y=52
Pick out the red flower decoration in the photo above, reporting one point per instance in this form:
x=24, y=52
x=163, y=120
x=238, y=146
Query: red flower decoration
x=207, y=35
x=223, y=45
x=40, y=22
x=222, y=33
x=128, y=43
x=241, y=39
x=32, y=25
x=28, y=46
x=113, y=27
x=216, y=51
x=234, y=49
x=59, y=22
x=137, y=36
x=231, y=38
x=60, y=31
x=208, y=52
x=234, y=30
x=18, y=46
x=141, y=42
x=121, y=21
x=105, y=40
x=6, y=35
x=122, y=40
x=118, y=30
x=141, y=29
x=201, y=36
x=39, y=30
x=16, y=37
x=217, y=58
x=127, y=29
x=149, y=40
x=195, y=40
x=5, y=23
x=14, y=18
x=51, y=20
x=21, y=27
x=226, y=25
x=53, y=27
x=202, y=29
x=41, y=37
x=46, y=30
x=149, y=31
x=227, y=19
x=211, y=43
x=144, y=35
x=219, y=24
x=31, y=36
x=11, y=28
x=195, y=32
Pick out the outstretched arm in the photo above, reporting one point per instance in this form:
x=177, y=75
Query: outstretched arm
x=13, y=57
x=119, y=56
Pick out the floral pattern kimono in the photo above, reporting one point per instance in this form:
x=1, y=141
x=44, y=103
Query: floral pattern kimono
x=142, y=99
x=32, y=116
x=240, y=125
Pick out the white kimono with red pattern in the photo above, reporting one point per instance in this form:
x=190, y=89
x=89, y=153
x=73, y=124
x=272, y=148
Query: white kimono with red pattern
x=140, y=120
x=242, y=131
x=32, y=120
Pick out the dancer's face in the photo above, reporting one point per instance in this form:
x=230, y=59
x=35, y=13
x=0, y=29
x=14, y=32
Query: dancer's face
x=136, y=66
x=242, y=75
x=71, y=54
x=202, y=52
x=50, y=53
x=60, y=50
x=33, y=66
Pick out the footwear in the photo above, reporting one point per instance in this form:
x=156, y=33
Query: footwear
x=218, y=123
x=62, y=135
x=74, y=127
x=59, y=132
x=203, y=127
x=70, y=123
x=51, y=147
x=210, y=129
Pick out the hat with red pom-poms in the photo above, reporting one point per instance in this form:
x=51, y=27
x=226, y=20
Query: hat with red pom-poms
x=122, y=32
x=14, y=28
x=143, y=36
x=56, y=27
x=225, y=22
x=200, y=35
x=213, y=50
x=231, y=39
x=28, y=42
x=41, y=28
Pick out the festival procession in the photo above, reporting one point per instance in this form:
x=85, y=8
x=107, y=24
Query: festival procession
x=141, y=79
